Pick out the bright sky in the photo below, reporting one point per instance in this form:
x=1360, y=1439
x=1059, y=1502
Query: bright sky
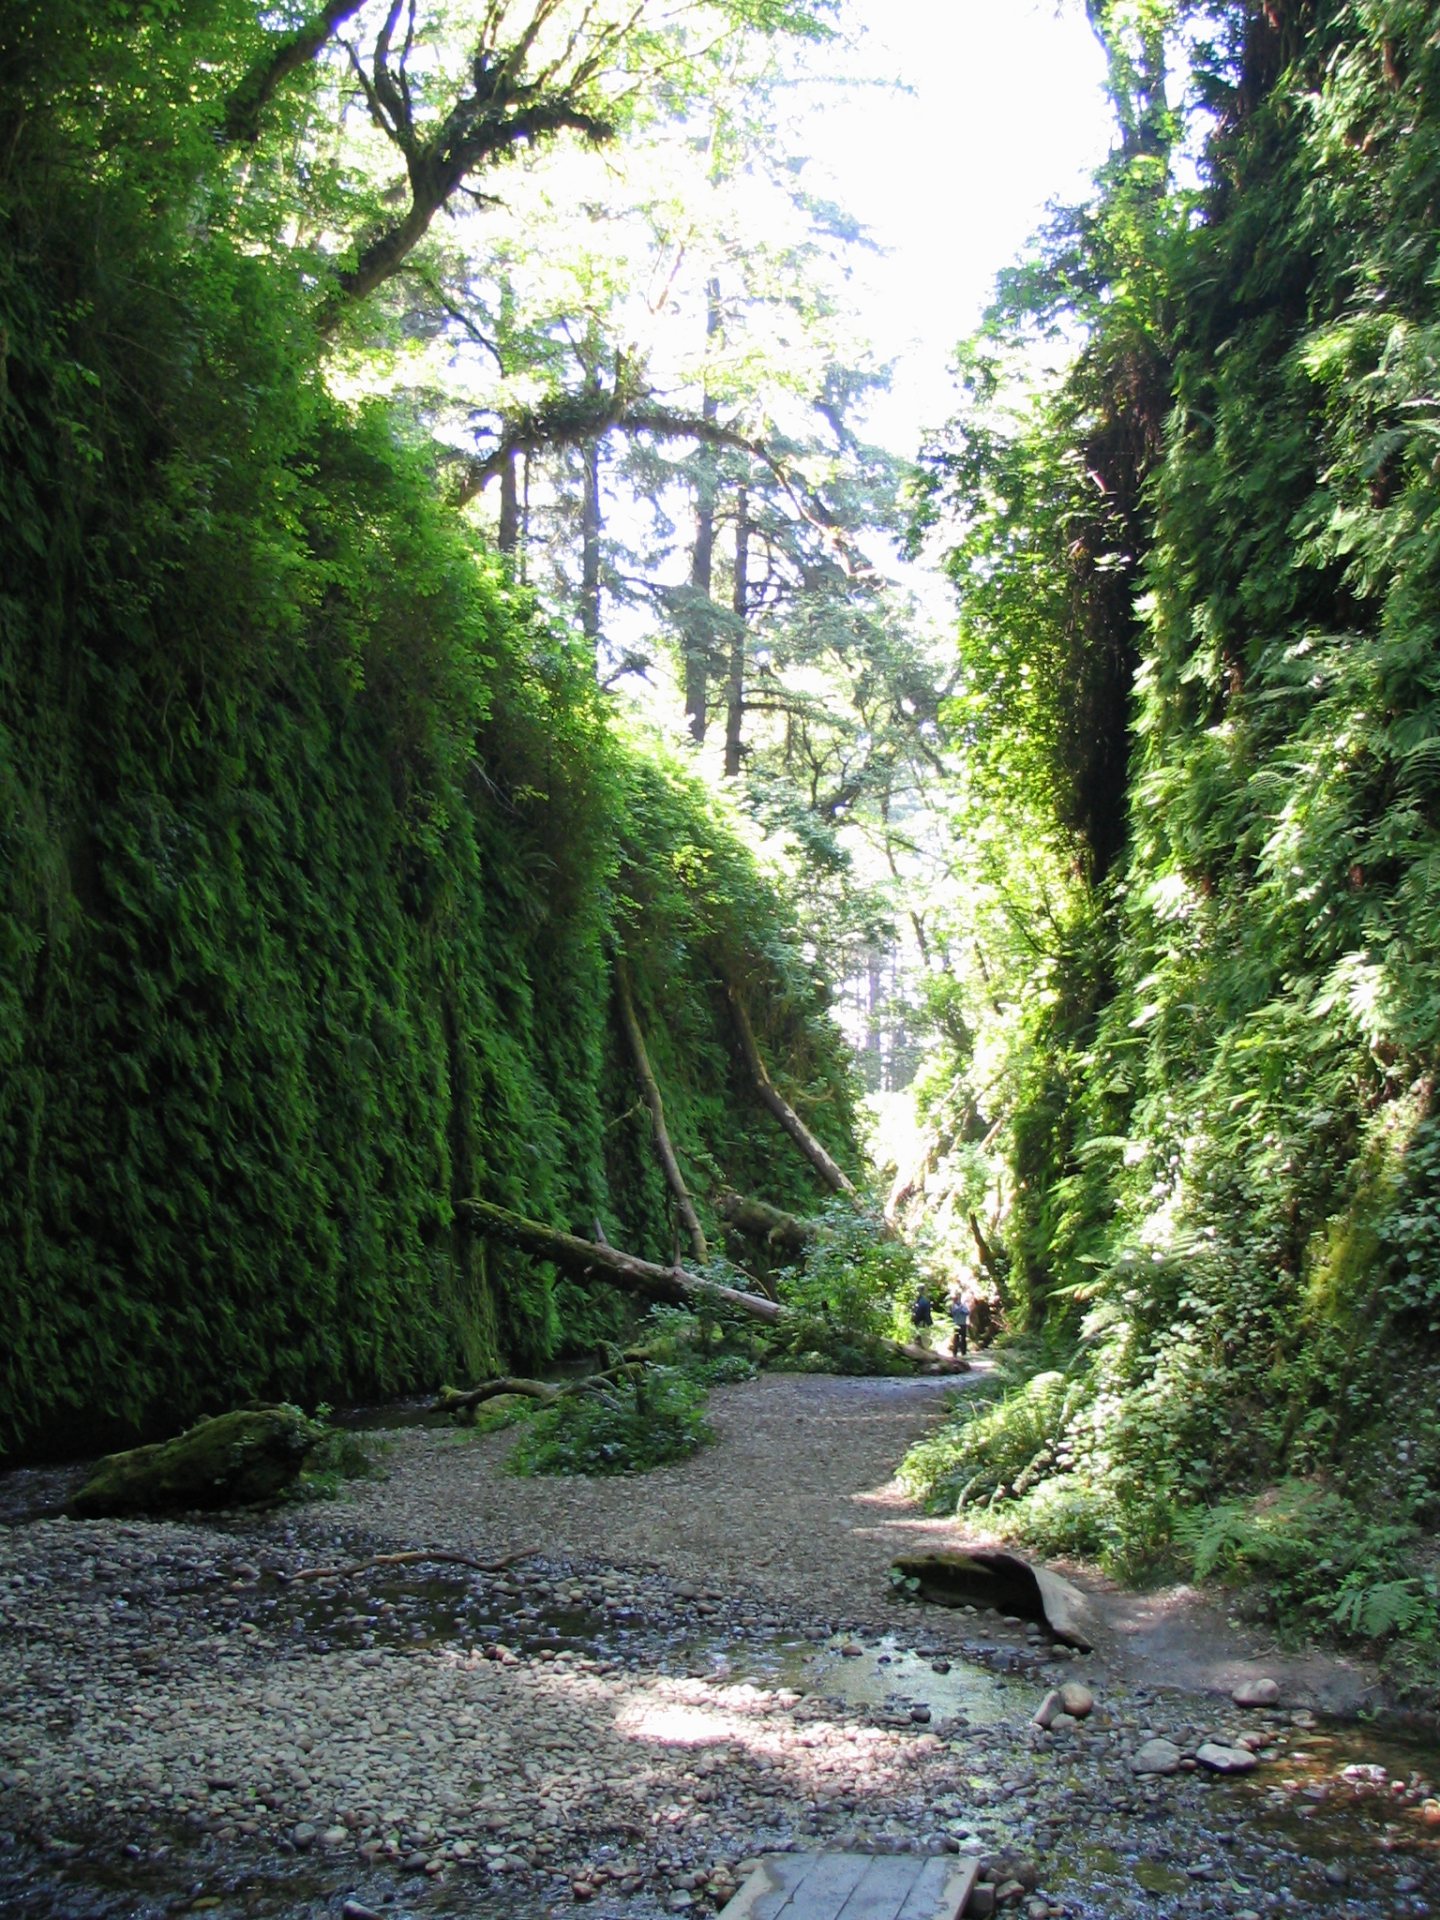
x=1005, y=112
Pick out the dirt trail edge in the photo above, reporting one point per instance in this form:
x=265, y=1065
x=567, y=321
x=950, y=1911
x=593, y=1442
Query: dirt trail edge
x=798, y=1503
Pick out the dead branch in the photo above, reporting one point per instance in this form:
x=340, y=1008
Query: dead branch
x=589, y=1260
x=417, y=1559
x=775, y=1102
x=458, y=1400
x=664, y=1149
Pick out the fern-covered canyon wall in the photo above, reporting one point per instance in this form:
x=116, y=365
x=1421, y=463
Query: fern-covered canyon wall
x=1219, y=1042
x=317, y=842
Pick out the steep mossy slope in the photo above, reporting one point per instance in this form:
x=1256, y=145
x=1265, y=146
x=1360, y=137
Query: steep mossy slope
x=1225, y=1135
x=316, y=844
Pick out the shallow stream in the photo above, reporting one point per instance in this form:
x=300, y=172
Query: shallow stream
x=1329, y=1825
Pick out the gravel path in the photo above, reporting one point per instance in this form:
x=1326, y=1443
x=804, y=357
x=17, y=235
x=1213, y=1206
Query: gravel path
x=797, y=1501
x=692, y=1668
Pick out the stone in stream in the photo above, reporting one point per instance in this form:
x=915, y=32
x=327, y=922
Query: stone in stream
x=1048, y=1708
x=1225, y=1759
x=1256, y=1693
x=1156, y=1756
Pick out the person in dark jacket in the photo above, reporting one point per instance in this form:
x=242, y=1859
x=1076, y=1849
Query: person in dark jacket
x=922, y=1314
x=957, y=1305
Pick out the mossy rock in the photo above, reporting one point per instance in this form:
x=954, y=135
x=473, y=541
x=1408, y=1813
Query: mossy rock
x=233, y=1460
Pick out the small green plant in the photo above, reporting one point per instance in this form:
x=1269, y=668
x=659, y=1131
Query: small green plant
x=654, y=1416
x=724, y=1370
x=851, y=1277
x=1369, y=1611
x=713, y=1344
x=338, y=1455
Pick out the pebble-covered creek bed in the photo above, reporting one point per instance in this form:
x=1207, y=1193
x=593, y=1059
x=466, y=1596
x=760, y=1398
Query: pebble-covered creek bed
x=185, y=1727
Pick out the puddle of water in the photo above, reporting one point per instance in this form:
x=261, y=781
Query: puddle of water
x=888, y=1675
x=394, y=1416
x=1331, y=1826
x=419, y=1611
x=185, y=1879
x=425, y=1612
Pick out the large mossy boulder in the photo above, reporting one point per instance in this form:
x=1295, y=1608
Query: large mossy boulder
x=233, y=1460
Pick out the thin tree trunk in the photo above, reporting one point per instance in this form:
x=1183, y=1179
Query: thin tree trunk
x=740, y=605
x=830, y=1172
x=674, y=1179
x=702, y=557
x=509, y=507
x=525, y=523
x=590, y=538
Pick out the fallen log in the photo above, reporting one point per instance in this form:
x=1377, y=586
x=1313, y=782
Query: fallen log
x=466, y=1399
x=458, y=1400
x=589, y=1259
x=771, y=1097
x=586, y=1258
x=235, y=1459
x=991, y=1577
x=664, y=1148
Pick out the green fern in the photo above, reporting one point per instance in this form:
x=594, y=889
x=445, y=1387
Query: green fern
x=1374, y=1612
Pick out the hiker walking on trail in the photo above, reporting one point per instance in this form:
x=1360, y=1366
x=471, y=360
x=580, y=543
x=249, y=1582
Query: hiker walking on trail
x=958, y=1307
x=922, y=1316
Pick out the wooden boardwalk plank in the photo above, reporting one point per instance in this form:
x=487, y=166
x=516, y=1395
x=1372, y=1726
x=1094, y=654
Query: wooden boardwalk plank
x=879, y=1893
x=770, y=1889
x=827, y=1886
x=855, y=1886
x=941, y=1888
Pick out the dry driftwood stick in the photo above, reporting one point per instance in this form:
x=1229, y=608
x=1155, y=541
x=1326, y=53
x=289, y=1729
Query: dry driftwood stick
x=417, y=1559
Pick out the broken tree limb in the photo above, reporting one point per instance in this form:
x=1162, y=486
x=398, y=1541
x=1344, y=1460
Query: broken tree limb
x=466, y=1399
x=458, y=1400
x=758, y=1220
x=674, y=1179
x=985, y=1250
x=417, y=1559
x=775, y=1102
x=588, y=1259
x=672, y=1285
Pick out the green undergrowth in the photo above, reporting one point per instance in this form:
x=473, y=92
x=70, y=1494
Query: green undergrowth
x=1048, y=1455
x=650, y=1419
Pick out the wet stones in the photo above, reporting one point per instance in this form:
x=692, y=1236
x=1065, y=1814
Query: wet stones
x=1256, y=1693
x=1158, y=1756
x=1224, y=1759
x=1063, y=1707
x=499, y=1759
